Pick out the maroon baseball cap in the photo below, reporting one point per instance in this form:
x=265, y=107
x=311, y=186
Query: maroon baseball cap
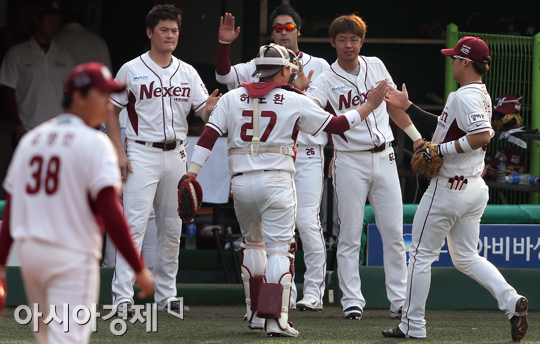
x=507, y=103
x=92, y=74
x=470, y=47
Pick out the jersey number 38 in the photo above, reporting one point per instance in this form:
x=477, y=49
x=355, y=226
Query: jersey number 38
x=43, y=177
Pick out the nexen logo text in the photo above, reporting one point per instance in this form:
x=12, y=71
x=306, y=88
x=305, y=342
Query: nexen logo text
x=140, y=77
x=175, y=91
x=338, y=88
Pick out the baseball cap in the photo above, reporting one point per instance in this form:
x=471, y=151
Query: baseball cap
x=507, y=103
x=92, y=74
x=470, y=47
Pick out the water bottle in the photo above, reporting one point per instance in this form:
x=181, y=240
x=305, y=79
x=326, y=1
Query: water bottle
x=501, y=167
x=523, y=179
x=191, y=236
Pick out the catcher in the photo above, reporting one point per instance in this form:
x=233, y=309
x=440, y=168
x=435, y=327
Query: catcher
x=457, y=195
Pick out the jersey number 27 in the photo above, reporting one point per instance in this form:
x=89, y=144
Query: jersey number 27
x=249, y=125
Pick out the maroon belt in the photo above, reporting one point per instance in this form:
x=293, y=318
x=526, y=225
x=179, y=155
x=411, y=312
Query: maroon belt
x=165, y=145
x=378, y=148
x=241, y=173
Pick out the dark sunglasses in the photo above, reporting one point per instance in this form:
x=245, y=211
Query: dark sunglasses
x=286, y=27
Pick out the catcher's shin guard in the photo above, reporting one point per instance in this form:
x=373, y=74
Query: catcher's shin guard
x=275, y=295
x=253, y=260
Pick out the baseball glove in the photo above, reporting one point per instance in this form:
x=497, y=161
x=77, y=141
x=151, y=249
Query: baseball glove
x=190, y=198
x=427, y=159
x=3, y=288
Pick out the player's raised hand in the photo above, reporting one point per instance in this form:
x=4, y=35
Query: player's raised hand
x=376, y=94
x=302, y=80
x=145, y=281
x=227, y=32
x=212, y=100
x=397, y=98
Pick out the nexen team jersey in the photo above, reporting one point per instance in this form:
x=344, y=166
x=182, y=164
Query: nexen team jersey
x=241, y=73
x=467, y=111
x=282, y=114
x=338, y=92
x=158, y=100
x=57, y=172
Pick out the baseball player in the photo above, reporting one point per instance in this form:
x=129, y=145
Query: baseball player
x=261, y=121
x=457, y=196
x=285, y=25
x=63, y=184
x=364, y=165
x=161, y=91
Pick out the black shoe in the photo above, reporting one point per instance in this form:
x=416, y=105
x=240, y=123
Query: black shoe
x=395, y=333
x=520, y=323
x=175, y=306
x=353, y=313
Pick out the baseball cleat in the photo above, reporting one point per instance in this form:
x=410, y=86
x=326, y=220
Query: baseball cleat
x=396, y=333
x=353, y=313
x=256, y=324
x=273, y=329
x=125, y=309
x=520, y=323
x=175, y=306
x=309, y=303
x=396, y=315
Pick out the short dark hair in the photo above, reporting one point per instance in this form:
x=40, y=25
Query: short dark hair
x=163, y=12
x=68, y=98
x=284, y=9
x=482, y=68
x=348, y=23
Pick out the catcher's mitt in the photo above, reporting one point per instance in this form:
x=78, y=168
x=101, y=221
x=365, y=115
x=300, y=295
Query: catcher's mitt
x=504, y=122
x=190, y=198
x=427, y=159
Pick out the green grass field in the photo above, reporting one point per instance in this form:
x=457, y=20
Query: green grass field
x=213, y=324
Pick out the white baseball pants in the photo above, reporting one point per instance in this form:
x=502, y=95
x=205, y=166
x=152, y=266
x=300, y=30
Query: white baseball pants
x=54, y=276
x=154, y=182
x=358, y=175
x=453, y=214
x=309, y=185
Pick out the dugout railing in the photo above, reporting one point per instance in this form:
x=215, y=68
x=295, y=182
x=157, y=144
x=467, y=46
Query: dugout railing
x=514, y=69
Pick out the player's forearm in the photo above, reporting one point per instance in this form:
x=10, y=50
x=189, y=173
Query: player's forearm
x=108, y=207
x=204, y=114
x=422, y=118
x=113, y=129
x=223, y=63
x=404, y=122
x=202, y=150
x=5, y=234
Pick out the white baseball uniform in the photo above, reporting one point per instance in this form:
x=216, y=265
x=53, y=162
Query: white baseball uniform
x=57, y=172
x=38, y=79
x=308, y=179
x=364, y=166
x=452, y=208
x=263, y=186
x=158, y=101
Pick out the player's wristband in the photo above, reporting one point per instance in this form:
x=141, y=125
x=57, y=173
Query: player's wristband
x=200, y=155
x=448, y=148
x=223, y=42
x=464, y=143
x=195, y=168
x=413, y=133
x=353, y=117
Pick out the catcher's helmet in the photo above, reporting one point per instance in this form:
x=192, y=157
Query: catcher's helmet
x=271, y=58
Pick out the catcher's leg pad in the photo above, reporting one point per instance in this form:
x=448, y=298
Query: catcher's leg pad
x=253, y=265
x=190, y=197
x=280, y=270
x=252, y=287
x=274, y=300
